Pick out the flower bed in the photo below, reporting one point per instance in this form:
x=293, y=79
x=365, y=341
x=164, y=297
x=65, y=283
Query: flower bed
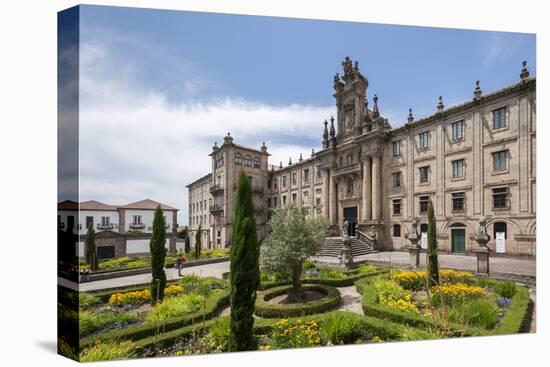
x=264, y=309
x=460, y=309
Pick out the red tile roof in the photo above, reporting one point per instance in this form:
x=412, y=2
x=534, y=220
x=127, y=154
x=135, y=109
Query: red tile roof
x=147, y=204
x=96, y=205
x=67, y=205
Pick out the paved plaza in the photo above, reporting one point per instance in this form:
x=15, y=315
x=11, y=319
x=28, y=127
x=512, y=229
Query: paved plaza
x=498, y=266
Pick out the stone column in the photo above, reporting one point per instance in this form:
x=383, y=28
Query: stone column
x=333, y=204
x=482, y=252
x=366, y=194
x=414, y=249
x=376, y=188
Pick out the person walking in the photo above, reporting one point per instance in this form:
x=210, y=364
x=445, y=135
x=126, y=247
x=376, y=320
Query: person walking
x=179, y=263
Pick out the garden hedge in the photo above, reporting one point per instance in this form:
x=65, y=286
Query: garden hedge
x=264, y=309
x=511, y=322
x=350, y=280
x=387, y=331
x=214, y=303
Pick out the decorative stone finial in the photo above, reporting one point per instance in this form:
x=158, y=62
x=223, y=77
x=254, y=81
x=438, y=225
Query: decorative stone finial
x=482, y=237
x=524, y=72
x=300, y=159
x=264, y=147
x=215, y=147
x=290, y=161
x=228, y=139
x=337, y=84
x=281, y=164
x=477, y=91
x=325, y=135
x=312, y=152
x=410, y=118
x=332, y=130
x=440, y=106
x=375, y=112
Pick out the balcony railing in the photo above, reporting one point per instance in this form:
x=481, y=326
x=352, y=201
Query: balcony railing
x=105, y=226
x=137, y=225
x=353, y=168
x=216, y=208
x=216, y=188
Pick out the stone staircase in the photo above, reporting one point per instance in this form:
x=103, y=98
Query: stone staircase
x=333, y=247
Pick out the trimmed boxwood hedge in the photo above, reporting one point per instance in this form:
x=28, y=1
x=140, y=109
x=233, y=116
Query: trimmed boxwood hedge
x=511, y=322
x=353, y=276
x=264, y=309
x=214, y=303
x=387, y=331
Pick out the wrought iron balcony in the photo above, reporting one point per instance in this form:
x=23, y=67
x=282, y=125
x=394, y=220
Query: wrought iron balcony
x=216, y=209
x=105, y=226
x=137, y=225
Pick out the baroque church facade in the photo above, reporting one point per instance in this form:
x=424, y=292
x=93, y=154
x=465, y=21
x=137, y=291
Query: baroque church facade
x=472, y=160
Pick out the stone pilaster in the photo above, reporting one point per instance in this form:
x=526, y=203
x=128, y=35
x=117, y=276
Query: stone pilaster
x=366, y=194
x=333, y=200
x=376, y=187
x=326, y=196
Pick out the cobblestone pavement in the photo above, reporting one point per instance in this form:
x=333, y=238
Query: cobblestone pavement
x=214, y=270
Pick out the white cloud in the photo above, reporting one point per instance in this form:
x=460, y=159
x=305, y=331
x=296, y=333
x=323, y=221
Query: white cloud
x=501, y=45
x=135, y=143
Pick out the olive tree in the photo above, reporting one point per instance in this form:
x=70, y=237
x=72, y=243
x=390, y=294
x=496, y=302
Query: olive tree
x=292, y=239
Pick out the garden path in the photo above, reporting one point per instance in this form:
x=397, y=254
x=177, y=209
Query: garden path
x=351, y=300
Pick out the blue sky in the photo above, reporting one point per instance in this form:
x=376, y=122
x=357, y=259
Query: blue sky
x=191, y=76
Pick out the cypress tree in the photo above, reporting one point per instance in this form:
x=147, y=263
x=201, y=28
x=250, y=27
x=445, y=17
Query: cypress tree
x=198, y=242
x=187, y=243
x=244, y=275
x=433, y=266
x=91, y=255
x=158, y=251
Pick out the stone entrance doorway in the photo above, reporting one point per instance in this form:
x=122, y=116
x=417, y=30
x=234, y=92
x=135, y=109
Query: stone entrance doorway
x=458, y=240
x=350, y=214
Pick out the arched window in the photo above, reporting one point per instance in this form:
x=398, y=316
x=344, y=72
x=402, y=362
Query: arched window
x=500, y=227
x=396, y=230
x=256, y=162
x=238, y=158
x=247, y=161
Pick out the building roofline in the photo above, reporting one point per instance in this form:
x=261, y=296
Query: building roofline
x=208, y=175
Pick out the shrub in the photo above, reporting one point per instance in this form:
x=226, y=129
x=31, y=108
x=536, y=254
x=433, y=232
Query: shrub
x=90, y=321
x=158, y=253
x=515, y=316
x=295, y=334
x=342, y=328
x=107, y=351
x=264, y=309
x=365, y=269
x=505, y=289
x=456, y=294
x=481, y=313
x=331, y=274
x=310, y=264
x=87, y=300
x=175, y=306
x=389, y=290
x=448, y=276
x=411, y=280
x=220, y=332
x=130, y=298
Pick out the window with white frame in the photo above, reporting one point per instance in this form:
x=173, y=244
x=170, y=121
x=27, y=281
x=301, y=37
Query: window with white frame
x=499, y=118
x=423, y=172
x=500, y=160
x=458, y=168
x=457, y=130
x=396, y=148
x=423, y=140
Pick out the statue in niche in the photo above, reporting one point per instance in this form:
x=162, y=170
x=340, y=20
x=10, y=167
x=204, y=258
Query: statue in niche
x=348, y=122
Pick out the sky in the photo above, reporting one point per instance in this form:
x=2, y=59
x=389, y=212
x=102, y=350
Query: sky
x=157, y=88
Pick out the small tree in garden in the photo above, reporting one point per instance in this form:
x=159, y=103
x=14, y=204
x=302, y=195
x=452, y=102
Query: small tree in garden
x=187, y=241
x=293, y=238
x=198, y=242
x=158, y=251
x=91, y=255
x=432, y=263
x=244, y=276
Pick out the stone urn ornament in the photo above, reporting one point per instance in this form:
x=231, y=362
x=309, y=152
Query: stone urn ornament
x=482, y=251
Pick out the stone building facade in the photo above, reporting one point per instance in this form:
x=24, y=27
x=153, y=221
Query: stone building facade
x=471, y=160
